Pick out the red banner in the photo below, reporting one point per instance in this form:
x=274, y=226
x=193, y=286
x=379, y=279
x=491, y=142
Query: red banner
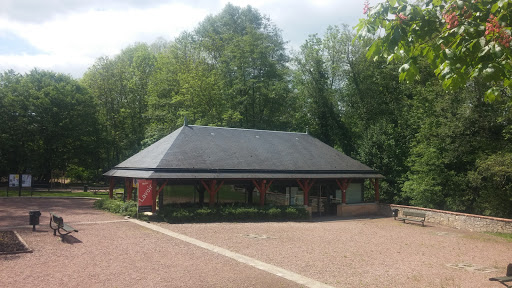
x=145, y=194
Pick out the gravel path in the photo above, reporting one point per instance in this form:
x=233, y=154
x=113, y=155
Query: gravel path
x=111, y=252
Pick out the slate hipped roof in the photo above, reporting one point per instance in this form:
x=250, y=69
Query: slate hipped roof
x=203, y=152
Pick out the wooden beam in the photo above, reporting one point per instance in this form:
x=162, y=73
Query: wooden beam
x=262, y=186
x=377, y=192
x=212, y=188
x=305, y=185
x=153, y=188
x=343, y=186
x=163, y=186
x=161, y=195
x=111, y=188
x=128, y=187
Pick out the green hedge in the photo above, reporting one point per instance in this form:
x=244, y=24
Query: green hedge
x=189, y=213
x=128, y=208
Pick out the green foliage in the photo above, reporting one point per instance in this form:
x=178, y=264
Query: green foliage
x=437, y=146
x=230, y=71
x=462, y=40
x=48, y=123
x=493, y=181
x=506, y=236
x=128, y=208
x=377, y=111
x=176, y=213
x=314, y=85
x=120, y=86
x=454, y=133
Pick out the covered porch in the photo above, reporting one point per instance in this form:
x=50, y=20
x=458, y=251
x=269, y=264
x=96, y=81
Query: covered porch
x=305, y=170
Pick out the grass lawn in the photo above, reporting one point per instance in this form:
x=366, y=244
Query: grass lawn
x=506, y=236
x=26, y=193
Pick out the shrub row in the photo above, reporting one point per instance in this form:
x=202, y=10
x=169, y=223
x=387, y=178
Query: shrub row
x=187, y=213
x=128, y=208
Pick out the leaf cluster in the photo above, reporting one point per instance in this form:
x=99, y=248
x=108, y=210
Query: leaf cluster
x=451, y=34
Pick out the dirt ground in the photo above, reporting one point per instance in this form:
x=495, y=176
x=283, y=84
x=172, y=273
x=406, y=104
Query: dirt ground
x=109, y=251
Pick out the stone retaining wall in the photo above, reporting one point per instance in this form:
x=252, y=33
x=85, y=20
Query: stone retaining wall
x=359, y=209
x=457, y=220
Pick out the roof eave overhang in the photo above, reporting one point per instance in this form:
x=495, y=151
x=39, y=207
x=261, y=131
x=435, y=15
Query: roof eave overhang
x=152, y=173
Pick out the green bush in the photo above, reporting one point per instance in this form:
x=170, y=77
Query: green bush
x=193, y=213
x=186, y=213
x=128, y=208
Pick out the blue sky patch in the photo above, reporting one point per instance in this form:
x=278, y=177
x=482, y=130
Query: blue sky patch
x=11, y=44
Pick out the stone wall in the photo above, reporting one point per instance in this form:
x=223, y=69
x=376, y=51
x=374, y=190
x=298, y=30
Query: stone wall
x=457, y=220
x=360, y=209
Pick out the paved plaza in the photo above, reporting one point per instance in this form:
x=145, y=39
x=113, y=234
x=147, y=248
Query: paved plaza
x=111, y=251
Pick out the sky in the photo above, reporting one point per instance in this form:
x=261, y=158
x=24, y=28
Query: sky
x=67, y=36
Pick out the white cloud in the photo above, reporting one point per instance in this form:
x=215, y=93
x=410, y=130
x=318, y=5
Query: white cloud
x=77, y=39
x=72, y=34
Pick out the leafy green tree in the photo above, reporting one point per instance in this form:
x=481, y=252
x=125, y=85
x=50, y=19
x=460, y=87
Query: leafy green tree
x=184, y=83
x=462, y=40
x=50, y=123
x=454, y=132
x=120, y=86
x=248, y=52
x=15, y=115
x=492, y=181
x=230, y=71
x=314, y=86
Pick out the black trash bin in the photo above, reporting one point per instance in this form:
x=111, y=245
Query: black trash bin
x=34, y=218
x=86, y=188
x=395, y=213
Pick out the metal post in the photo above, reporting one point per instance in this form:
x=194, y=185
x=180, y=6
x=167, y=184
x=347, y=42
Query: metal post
x=19, y=185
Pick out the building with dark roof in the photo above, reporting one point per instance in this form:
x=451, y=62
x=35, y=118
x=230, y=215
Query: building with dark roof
x=213, y=156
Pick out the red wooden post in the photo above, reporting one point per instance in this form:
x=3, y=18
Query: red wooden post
x=212, y=194
x=262, y=187
x=128, y=184
x=158, y=193
x=306, y=186
x=153, y=188
x=111, y=188
x=344, y=186
x=377, y=192
x=212, y=188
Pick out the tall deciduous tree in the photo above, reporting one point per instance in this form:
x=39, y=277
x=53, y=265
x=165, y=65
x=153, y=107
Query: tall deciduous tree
x=50, y=123
x=462, y=40
x=315, y=88
x=184, y=84
x=248, y=51
x=120, y=86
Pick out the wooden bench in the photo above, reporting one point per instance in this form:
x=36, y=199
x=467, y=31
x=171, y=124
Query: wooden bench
x=413, y=216
x=57, y=224
x=505, y=279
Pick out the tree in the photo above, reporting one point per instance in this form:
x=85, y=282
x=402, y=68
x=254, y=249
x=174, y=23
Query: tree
x=184, y=83
x=50, y=124
x=248, y=51
x=454, y=133
x=314, y=86
x=15, y=116
x=120, y=86
x=377, y=110
x=492, y=180
x=462, y=40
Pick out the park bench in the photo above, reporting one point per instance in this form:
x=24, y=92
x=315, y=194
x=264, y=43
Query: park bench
x=413, y=216
x=505, y=279
x=57, y=224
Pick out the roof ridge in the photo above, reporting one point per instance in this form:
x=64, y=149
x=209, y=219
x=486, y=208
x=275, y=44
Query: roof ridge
x=247, y=129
